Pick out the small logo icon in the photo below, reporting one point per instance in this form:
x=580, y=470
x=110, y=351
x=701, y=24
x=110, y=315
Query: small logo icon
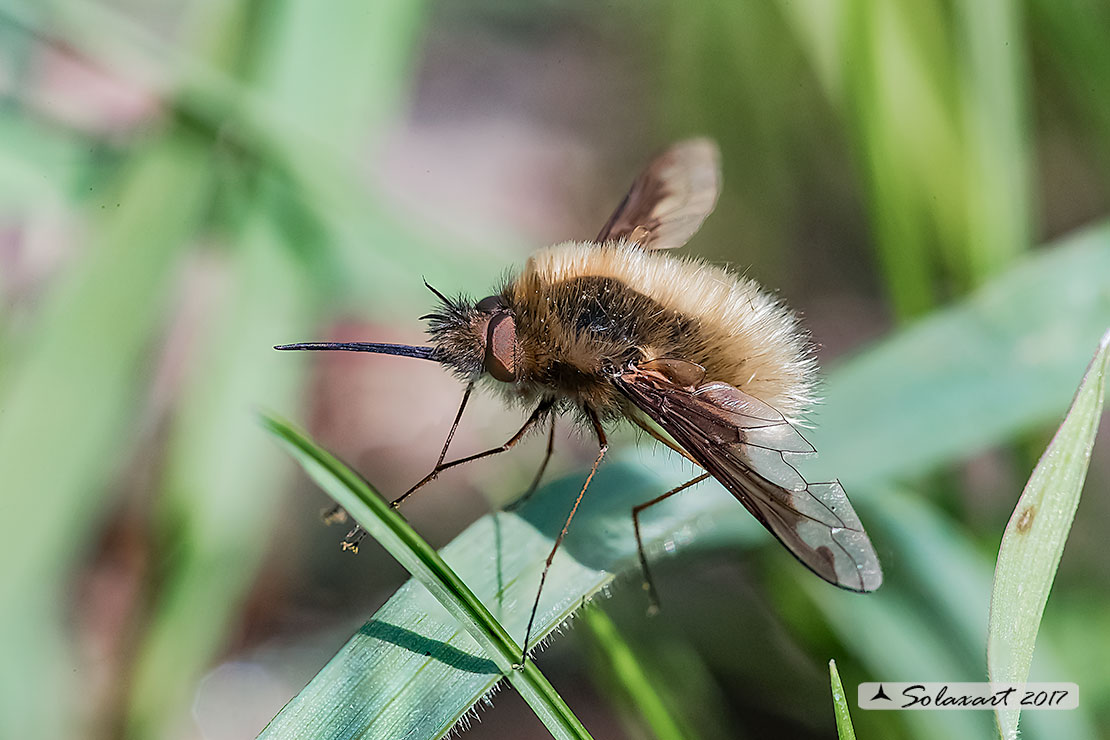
x=880, y=694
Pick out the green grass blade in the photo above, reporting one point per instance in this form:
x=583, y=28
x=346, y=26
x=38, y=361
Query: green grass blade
x=1079, y=65
x=391, y=530
x=629, y=674
x=840, y=706
x=293, y=143
x=1034, y=538
x=996, y=141
x=219, y=473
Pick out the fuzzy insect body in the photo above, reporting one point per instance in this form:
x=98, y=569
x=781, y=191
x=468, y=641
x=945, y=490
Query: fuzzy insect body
x=584, y=312
x=704, y=360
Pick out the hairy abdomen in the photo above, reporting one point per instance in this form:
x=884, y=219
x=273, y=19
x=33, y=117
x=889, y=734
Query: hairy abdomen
x=585, y=311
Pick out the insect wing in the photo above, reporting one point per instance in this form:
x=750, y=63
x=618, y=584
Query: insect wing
x=743, y=443
x=670, y=199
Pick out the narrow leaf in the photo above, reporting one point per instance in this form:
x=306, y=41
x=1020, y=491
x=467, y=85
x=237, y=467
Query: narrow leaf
x=391, y=530
x=840, y=706
x=631, y=677
x=1034, y=538
x=219, y=473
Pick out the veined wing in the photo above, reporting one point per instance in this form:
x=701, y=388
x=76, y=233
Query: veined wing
x=670, y=199
x=743, y=443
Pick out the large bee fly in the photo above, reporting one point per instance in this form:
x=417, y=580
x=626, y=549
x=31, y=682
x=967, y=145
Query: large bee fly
x=702, y=359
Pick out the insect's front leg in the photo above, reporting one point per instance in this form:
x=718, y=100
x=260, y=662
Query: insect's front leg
x=537, y=416
x=354, y=538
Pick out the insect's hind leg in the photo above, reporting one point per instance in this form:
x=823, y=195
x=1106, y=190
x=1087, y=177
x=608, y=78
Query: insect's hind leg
x=649, y=584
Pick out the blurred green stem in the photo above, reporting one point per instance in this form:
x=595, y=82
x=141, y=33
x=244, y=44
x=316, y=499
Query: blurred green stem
x=630, y=677
x=69, y=408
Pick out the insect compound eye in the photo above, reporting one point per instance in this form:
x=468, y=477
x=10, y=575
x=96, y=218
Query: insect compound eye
x=501, y=348
x=491, y=304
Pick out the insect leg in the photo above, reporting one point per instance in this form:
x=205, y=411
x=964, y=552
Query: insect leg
x=455, y=424
x=649, y=584
x=537, y=416
x=539, y=473
x=356, y=535
x=603, y=444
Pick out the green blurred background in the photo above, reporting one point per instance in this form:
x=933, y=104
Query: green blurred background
x=183, y=185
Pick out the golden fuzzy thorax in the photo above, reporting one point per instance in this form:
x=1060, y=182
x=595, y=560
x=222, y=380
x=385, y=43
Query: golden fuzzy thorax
x=583, y=312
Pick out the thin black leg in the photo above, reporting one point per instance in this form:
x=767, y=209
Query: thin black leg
x=356, y=535
x=649, y=584
x=603, y=444
x=539, y=473
x=535, y=418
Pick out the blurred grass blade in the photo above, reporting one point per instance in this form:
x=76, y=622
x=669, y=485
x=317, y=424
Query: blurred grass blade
x=69, y=413
x=391, y=530
x=271, y=122
x=1034, y=538
x=840, y=706
x=941, y=136
x=629, y=674
x=218, y=473
x=996, y=141
x=1005, y=358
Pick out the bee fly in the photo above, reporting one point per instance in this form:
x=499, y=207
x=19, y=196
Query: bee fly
x=703, y=360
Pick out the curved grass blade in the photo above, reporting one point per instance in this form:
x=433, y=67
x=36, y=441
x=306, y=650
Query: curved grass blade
x=844, y=727
x=391, y=530
x=412, y=672
x=1035, y=535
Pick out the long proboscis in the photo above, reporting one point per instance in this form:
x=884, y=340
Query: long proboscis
x=402, y=350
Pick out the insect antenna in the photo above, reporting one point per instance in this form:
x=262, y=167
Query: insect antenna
x=439, y=295
x=402, y=350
